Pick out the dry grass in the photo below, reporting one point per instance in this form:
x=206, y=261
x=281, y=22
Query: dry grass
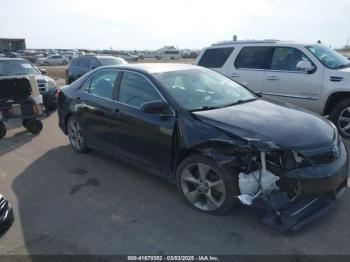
x=58, y=73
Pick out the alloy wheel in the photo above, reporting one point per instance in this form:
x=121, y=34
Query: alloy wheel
x=75, y=135
x=344, y=121
x=202, y=187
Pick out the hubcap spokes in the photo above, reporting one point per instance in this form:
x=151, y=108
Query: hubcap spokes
x=202, y=186
x=344, y=121
x=75, y=134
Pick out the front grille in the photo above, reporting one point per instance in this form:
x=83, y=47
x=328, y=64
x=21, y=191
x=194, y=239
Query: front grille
x=323, y=158
x=39, y=81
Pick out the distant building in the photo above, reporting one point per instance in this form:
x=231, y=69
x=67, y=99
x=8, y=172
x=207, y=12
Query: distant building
x=12, y=44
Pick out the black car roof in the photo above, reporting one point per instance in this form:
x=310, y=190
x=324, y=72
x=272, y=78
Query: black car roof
x=155, y=67
x=12, y=59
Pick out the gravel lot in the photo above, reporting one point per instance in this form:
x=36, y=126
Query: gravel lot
x=68, y=203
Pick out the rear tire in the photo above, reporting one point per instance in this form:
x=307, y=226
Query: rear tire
x=2, y=130
x=76, y=135
x=205, y=187
x=340, y=116
x=34, y=126
x=24, y=122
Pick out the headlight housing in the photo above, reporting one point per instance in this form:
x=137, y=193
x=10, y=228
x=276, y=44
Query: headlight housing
x=51, y=84
x=336, y=133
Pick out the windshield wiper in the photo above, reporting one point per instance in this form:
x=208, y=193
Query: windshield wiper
x=241, y=101
x=342, y=66
x=205, y=108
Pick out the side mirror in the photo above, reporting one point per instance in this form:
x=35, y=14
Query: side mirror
x=43, y=71
x=305, y=66
x=155, y=107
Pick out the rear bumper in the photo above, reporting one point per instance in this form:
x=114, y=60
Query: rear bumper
x=49, y=97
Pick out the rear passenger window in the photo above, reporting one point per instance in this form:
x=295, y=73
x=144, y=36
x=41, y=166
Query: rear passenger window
x=102, y=84
x=215, y=57
x=74, y=62
x=135, y=90
x=252, y=57
x=94, y=63
x=84, y=62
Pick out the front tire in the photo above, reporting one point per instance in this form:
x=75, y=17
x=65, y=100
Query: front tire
x=204, y=186
x=340, y=116
x=76, y=135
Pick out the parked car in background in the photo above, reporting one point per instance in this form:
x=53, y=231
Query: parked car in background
x=19, y=67
x=168, y=54
x=218, y=141
x=191, y=54
x=128, y=56
x=11, y=55
x=311, y=76
x=53, y=60
x=70, y=55
x=83, y=64
x=148, y=54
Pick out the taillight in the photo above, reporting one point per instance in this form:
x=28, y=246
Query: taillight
x=58, y=93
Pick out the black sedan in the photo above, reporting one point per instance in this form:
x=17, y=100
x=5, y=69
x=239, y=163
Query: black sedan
x=219, y=142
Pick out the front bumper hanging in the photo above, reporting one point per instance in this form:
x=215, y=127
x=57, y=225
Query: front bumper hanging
x=284, y=215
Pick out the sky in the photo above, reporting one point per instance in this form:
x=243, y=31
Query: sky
x=151, y=24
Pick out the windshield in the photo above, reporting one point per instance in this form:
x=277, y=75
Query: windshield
x=328, y=57
x=18, y=67
x=112, y=61
x=203, y=89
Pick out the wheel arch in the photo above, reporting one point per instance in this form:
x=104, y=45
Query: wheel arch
x=182, y=155
x=333, y=99
x=66, y=118
x=221, y=152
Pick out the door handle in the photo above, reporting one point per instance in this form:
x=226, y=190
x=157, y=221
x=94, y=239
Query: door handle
x=117, y=112
x=272, y=78
x=234, y=75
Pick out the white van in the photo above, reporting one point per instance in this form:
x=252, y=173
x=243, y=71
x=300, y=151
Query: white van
x=170, y=54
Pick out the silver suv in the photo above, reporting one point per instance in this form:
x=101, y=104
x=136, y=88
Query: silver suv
x=311, y=76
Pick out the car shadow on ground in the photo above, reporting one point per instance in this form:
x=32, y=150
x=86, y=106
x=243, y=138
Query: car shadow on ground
x=14, y=141
x=69, y=203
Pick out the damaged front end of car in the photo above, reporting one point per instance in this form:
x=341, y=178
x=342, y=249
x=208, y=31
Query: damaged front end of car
x=291, y=188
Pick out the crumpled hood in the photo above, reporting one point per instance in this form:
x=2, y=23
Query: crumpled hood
x=282, y=124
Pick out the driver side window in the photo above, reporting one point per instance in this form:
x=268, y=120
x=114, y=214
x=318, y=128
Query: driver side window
x=135, y=90
x=287, y=58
